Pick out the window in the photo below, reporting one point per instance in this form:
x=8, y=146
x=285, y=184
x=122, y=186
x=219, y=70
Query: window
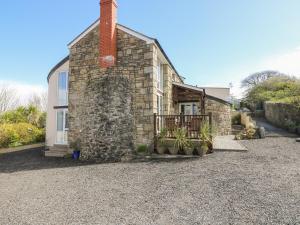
x=160, y=77
x=62, y=126
x=159, y=105
x=63, y=89
x=60, y=121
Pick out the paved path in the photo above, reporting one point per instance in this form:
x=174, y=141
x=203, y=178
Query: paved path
x=228, y=144
x=272, y=131
x=261, y=186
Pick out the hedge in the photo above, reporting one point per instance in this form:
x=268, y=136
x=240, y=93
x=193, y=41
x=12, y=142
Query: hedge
x=12, y=135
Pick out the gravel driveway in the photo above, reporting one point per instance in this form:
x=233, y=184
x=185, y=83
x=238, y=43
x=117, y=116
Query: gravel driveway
x=261, y=186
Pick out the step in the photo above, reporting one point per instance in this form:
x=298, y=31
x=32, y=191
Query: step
x=55, y=154
x=61, y=146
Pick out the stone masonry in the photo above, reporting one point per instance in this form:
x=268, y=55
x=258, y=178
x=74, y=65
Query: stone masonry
x=221, y=115
x=282, y=114
x=134, y=69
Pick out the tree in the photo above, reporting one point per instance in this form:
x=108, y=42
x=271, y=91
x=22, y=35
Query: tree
x=39, y=101
x=8, y=99
x=257, y=78
x=278, y=89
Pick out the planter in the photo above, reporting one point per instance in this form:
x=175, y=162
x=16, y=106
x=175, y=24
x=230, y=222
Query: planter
x=161, y=149
x=173, y=150
x=201, y=150
x=188, y=150
x=76, y=155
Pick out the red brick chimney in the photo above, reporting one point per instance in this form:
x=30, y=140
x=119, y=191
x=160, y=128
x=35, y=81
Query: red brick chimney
x=108, y=34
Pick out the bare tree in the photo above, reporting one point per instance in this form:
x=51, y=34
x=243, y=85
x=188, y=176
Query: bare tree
x=257, y=78
x=8, y=98
x=39, y=101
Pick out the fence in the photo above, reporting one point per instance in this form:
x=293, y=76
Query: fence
x=170, y=123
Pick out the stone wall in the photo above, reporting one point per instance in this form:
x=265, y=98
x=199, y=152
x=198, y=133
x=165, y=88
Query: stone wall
x=221, y=112
x=88, y=103
x=282, y=114
x=107, y=133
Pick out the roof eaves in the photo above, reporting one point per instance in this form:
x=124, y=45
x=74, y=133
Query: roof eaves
x=63, y=61
x=168, y=59
x=219, y=99
x=187, y=86
x=78, y=37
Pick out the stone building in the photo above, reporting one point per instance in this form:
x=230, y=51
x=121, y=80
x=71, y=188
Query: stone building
x=105, y=93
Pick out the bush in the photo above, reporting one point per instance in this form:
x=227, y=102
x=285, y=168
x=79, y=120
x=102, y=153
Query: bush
x=30, y=114
x=142, y=148
x=12, y=135
x=276, y=89
x=247, y=134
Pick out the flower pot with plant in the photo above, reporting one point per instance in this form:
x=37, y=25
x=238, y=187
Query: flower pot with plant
x=76, y=146
x=189, y=148
x=180, y=141
x=162, y=146
x=205, y=136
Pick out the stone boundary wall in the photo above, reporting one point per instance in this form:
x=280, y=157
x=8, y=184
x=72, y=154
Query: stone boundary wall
x=282, y=114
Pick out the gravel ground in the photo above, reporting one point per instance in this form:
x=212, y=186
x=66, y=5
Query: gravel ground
x=261, y=186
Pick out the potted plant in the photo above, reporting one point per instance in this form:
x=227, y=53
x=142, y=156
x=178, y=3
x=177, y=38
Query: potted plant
x=162, y=143
x=180, y=141
x=76, y=146
x=205, y=136
x=189, y=148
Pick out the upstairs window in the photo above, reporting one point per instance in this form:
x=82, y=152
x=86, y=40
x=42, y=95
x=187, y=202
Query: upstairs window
x=63, y=89
x=160, y=77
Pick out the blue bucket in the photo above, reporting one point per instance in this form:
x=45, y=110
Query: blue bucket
x=76, y=155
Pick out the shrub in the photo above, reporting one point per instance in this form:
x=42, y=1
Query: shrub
x=12, y=135
x=247, y=134
x=22, y=114
x=181, y=140
x=206, y=134
x=276, y=89
x=142, y=148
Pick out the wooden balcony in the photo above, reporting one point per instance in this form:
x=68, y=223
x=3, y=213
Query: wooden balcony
x=170, y=123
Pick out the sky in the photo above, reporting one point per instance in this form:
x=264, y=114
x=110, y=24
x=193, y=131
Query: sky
x=210, y=42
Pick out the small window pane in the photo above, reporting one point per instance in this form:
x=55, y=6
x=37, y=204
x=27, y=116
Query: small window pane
x=60, y=121
x=63, y=88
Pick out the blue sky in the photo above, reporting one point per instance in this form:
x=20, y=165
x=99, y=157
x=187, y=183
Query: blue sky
x=210, y=42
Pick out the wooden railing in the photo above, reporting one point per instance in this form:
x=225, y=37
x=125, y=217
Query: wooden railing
x=170, y=123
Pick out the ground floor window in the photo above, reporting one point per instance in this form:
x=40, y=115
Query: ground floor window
x=189, y=108
x=62, y=126
x=159, y=104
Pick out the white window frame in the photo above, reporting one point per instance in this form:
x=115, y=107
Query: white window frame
x=67, y=88
x=160, y=76
x=192, y=104
x=65, y=112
